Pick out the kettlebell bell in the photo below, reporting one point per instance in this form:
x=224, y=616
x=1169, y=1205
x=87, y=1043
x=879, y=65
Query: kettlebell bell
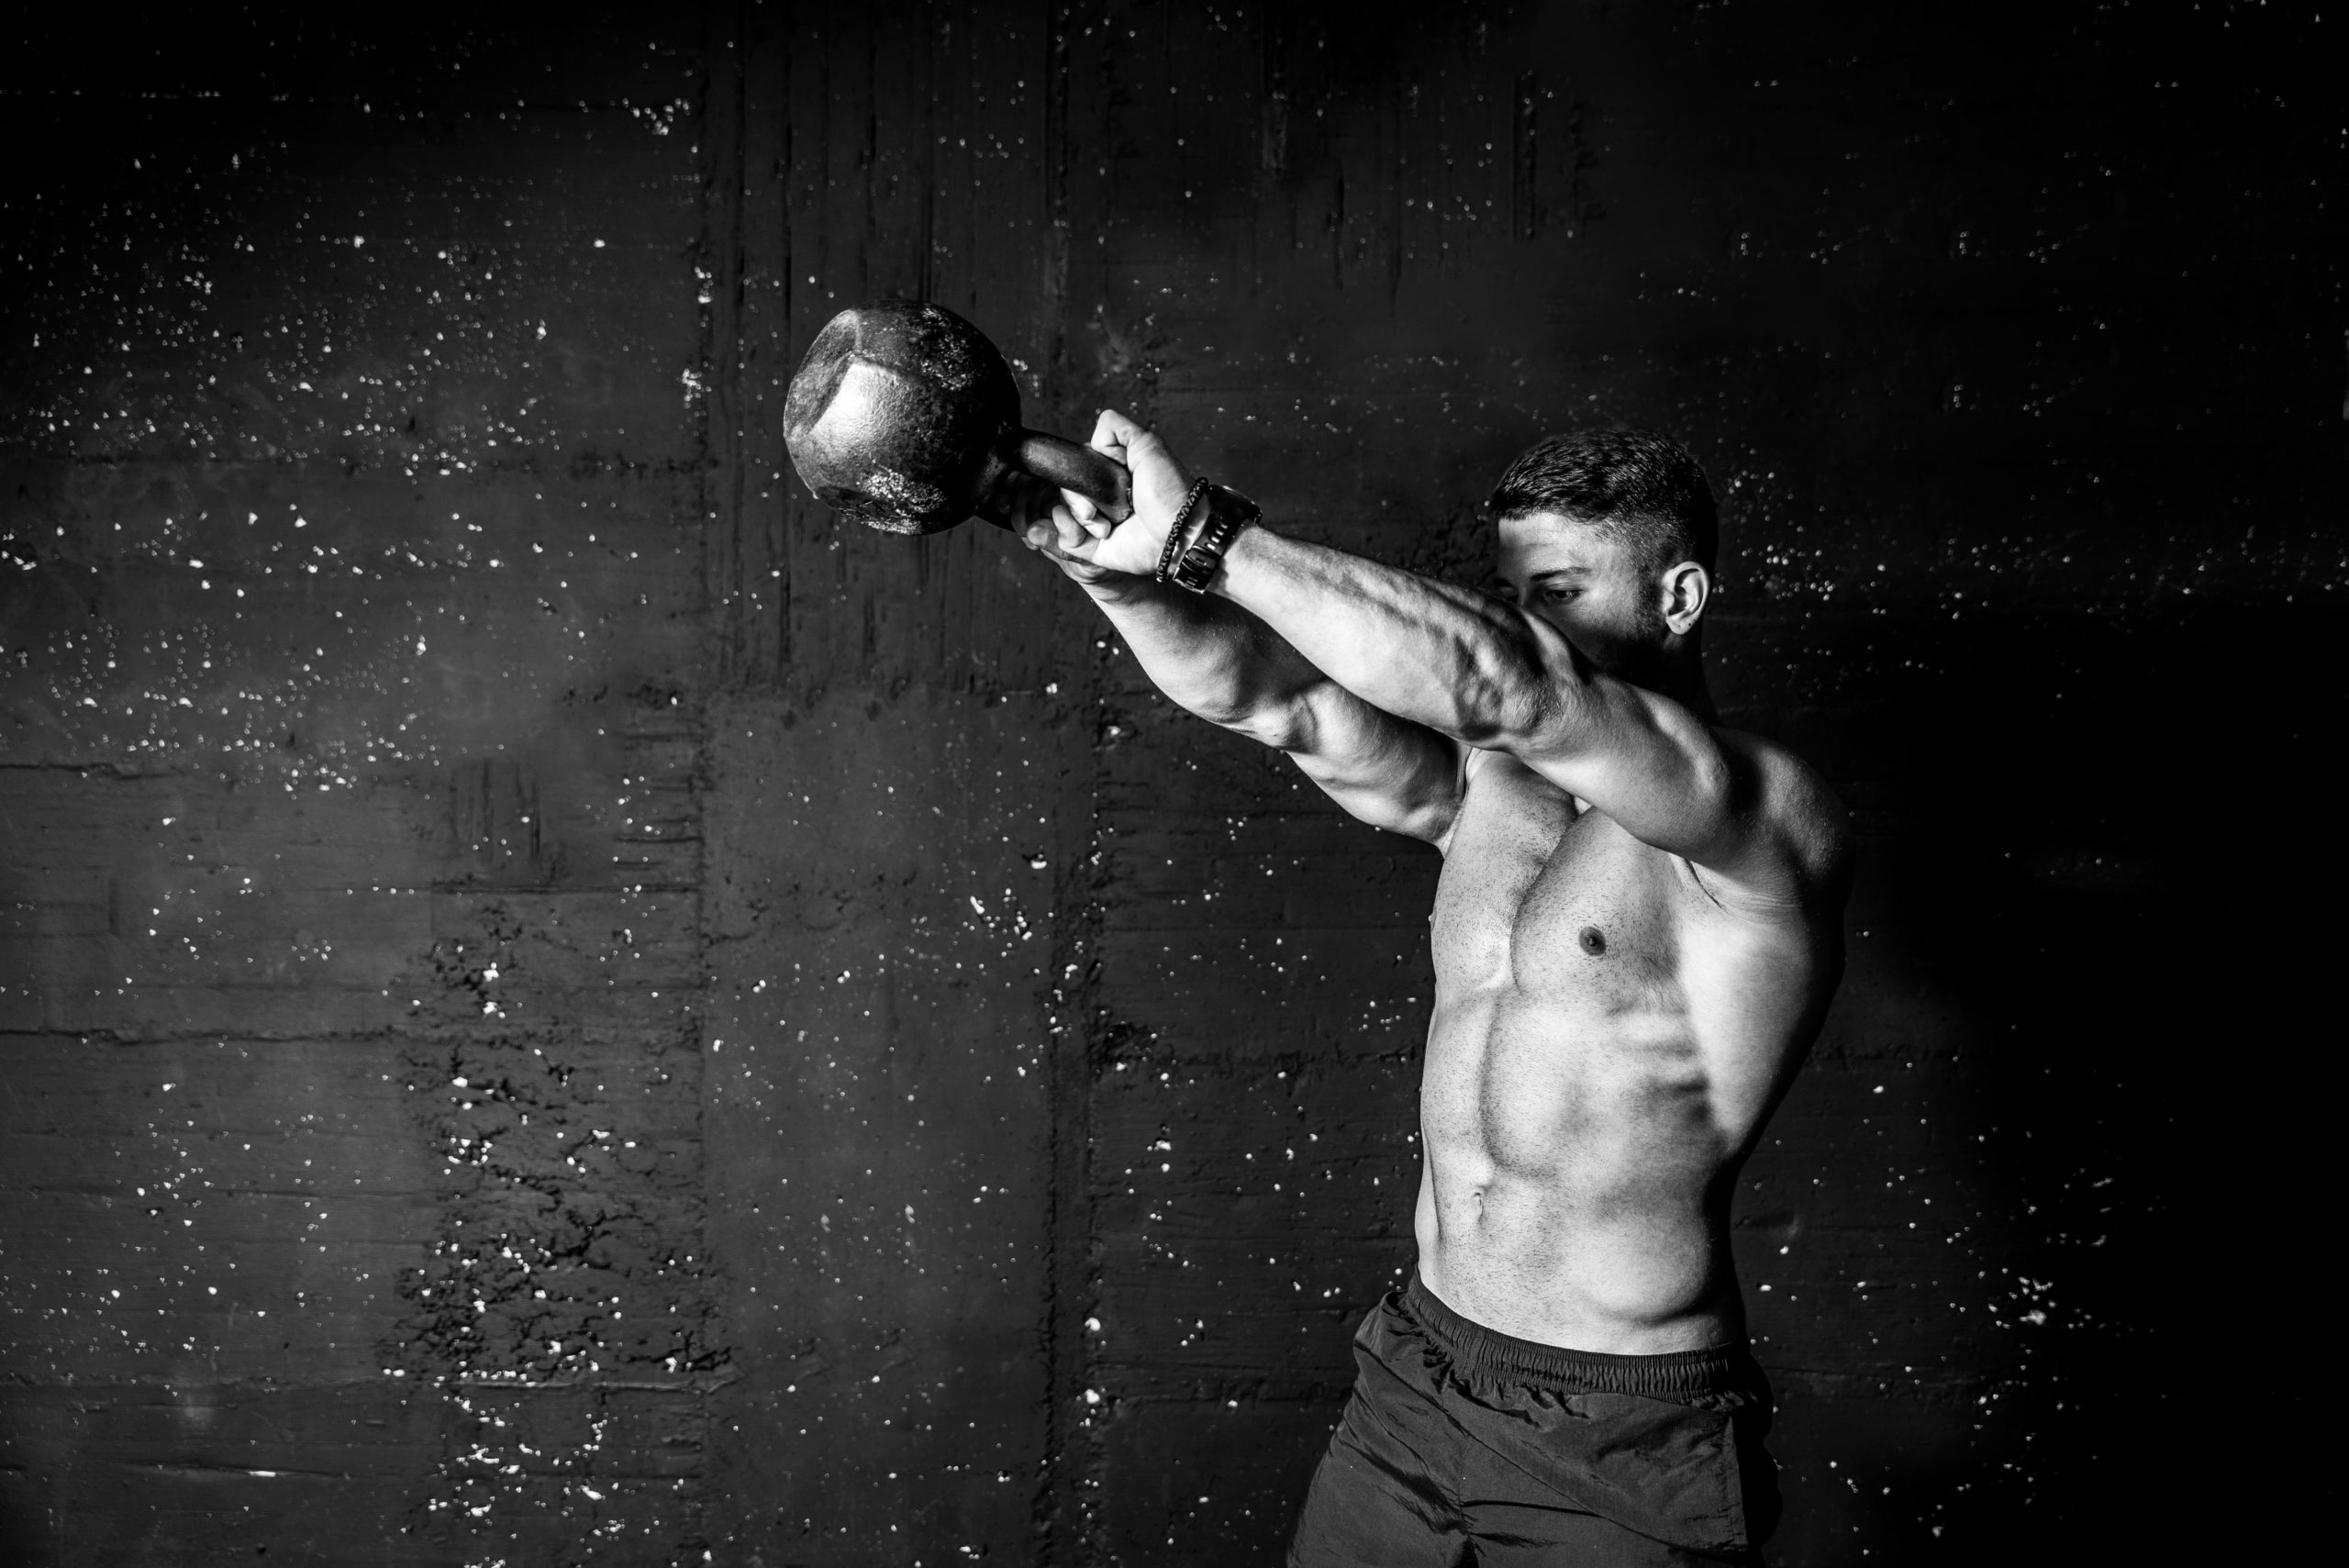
x=904, y=417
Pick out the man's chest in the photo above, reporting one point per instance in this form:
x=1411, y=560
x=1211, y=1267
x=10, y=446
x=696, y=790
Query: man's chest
x=1538, y=899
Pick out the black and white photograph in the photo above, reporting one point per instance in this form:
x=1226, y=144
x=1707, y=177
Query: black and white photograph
x=1171, y=784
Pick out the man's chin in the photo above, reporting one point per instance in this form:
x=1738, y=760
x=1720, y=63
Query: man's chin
x=1640, y=663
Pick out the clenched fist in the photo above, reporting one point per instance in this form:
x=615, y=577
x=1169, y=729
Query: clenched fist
x=1083, y=544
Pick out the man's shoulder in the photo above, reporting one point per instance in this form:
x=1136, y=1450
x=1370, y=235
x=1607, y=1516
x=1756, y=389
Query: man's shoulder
x=1795, y=814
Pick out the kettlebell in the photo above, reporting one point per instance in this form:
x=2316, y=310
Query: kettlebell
x=904, y=417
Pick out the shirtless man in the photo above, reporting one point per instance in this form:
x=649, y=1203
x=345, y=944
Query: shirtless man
x=1636, y=933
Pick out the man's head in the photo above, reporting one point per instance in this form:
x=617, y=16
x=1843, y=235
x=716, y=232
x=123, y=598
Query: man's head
x=1609, y=535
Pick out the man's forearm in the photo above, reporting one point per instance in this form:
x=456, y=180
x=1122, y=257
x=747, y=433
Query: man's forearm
x=1441, y=656
x=1213, y=659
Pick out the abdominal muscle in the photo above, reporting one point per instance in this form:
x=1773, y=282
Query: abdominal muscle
x=1608, y=1040
x=1575, y=1186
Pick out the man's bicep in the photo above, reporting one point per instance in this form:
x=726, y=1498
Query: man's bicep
x=1654, y=767
x=1388, y=772
x=1730, y=804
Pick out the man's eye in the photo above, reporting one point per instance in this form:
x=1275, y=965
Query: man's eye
x=1561, y=594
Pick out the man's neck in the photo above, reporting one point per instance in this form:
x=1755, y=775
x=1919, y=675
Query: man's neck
x=1691, y=691
x=1679, y=673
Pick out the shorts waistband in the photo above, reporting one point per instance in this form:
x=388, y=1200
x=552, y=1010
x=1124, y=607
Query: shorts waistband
x=1719, y=1369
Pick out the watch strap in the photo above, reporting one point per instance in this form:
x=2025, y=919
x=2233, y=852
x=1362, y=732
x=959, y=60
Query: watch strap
x=1228, y=513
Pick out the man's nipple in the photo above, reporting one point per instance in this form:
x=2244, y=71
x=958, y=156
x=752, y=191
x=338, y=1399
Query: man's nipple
x=1594, y=940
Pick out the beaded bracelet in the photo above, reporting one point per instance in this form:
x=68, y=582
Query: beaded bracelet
x=1173, y=551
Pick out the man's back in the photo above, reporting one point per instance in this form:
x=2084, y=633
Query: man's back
x=1610, y=1028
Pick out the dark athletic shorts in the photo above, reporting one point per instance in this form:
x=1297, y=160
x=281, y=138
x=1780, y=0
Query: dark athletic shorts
x=1461, y=1445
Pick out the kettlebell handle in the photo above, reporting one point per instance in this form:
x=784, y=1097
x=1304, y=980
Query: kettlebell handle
x=1102, y=478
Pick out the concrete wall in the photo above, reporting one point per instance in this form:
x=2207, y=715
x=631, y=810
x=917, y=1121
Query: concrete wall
x=561, y=1008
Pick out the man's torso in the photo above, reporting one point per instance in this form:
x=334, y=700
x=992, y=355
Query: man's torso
x=1608, y=1034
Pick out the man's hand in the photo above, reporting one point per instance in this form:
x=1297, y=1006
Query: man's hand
x=1081, y=542
x=1039, y=518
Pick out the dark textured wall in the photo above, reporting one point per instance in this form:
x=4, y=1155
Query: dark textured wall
x=558, y=1007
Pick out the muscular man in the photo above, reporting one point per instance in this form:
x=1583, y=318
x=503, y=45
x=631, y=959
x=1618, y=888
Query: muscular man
x=1636, y=933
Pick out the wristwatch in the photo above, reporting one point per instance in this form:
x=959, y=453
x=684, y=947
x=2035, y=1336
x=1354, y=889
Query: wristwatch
x=1228, y=513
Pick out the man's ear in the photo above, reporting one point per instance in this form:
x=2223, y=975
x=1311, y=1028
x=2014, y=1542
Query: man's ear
x=1687, y=589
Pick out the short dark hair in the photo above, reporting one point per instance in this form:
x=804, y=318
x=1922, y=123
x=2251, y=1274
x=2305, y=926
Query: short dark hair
x=1640, y=486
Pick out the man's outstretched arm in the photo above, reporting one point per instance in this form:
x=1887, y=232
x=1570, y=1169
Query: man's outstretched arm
x=1218, y=661
x=1487, y=674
